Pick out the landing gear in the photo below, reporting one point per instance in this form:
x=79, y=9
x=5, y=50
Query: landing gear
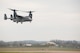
x=21, y=22
x=17, y=22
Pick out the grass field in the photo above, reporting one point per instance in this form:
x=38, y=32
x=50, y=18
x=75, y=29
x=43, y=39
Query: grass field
x=39, y=50
x=22, y=52
x=46, y=52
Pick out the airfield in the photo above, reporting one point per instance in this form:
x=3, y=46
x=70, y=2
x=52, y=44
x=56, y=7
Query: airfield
x=39, y=50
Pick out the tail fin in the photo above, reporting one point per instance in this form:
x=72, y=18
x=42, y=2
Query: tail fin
x=5, y=17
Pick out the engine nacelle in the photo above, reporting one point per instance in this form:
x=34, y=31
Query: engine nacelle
x=5, y=17
x=30, y=15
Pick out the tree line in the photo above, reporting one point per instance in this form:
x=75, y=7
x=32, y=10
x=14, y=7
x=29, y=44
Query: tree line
x=60, y=43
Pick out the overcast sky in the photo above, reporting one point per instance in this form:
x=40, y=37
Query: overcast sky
x=53, y=19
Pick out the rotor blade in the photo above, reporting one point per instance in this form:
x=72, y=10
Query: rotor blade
x=10, y=9
x=13, y=9
x=21, y=10
x=28, y=11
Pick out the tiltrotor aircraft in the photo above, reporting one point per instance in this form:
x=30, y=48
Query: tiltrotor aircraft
x=18, y=18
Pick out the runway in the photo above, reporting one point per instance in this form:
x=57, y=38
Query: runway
x=45, y=51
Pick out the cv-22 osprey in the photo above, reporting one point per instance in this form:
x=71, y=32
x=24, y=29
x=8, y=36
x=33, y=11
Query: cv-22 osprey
x=18, y=18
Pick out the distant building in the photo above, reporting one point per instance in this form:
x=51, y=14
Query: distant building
x=51, y=43
x=28, y=45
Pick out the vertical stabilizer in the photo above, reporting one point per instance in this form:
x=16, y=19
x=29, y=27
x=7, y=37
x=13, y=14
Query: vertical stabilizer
x=5, y=17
